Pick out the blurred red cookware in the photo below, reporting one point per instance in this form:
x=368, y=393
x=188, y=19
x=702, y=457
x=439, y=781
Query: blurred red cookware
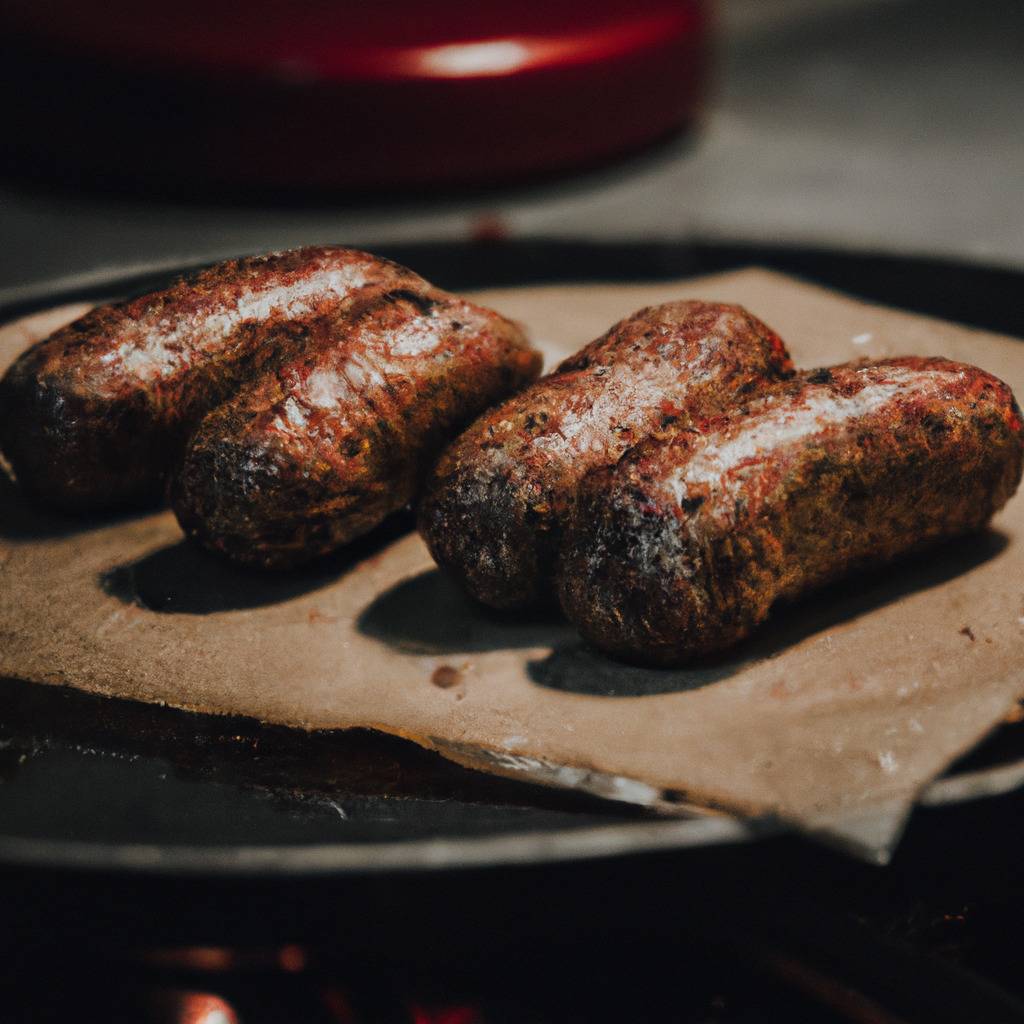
x=347, y=93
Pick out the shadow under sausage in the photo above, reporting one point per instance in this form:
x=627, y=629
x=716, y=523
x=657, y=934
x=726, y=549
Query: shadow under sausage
x=430, y=614
x=21, y=519
x=577, y=668
x=183, y=578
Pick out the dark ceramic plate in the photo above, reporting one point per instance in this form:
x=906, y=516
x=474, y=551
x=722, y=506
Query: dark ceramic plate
x=87, y=783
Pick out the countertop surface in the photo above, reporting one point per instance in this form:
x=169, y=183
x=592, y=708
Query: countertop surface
x=882, y=125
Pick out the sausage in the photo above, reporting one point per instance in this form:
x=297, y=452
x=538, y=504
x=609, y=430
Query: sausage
x=493, y=510
x=682, y=549
x=316, y=452
x=95, y=415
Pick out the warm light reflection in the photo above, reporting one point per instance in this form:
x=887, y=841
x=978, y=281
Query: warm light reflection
x=507, y=55
x=202, y=1008
x=291, y=959
x=195, y=958
x=215, y=958
x=498, y=57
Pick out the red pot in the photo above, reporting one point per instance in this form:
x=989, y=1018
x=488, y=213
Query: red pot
x=349, y=93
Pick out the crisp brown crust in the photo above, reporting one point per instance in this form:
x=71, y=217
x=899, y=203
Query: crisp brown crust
x=95, y=415
x=495, y=504
x=317, y=451
x=683, y=548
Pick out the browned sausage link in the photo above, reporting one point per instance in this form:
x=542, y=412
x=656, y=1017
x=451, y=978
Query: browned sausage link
x=95, y=415
x=316, y=453
x=493, y=510
x=682, y=549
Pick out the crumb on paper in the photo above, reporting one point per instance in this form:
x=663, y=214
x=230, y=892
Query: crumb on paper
x=968, y=632
x=316, y=617
x=445, y=677
x=887, y=761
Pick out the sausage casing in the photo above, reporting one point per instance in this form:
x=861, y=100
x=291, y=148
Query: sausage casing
x=682, y=549
x=316, y=452
x=493, y=510
x=95, y=415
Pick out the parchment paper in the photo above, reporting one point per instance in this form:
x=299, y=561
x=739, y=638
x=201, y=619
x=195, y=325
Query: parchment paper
x=832, y=718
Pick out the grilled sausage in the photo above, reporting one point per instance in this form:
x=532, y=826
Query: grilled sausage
x=682, y=549
x=318, y=451
x=493, y=510
x=95, y=415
